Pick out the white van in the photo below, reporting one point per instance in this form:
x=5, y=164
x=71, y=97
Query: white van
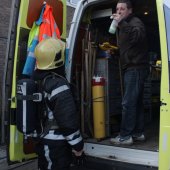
x=84, y=60
x=89, y=28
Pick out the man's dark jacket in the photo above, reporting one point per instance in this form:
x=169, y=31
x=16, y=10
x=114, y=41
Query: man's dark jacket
x=132, y=43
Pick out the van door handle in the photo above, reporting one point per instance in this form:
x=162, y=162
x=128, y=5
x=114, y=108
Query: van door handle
x=162, y=103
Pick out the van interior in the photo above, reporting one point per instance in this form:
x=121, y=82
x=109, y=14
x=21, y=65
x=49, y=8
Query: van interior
x=91, y=60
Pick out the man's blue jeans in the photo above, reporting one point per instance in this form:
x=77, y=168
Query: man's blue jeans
x=132, y=103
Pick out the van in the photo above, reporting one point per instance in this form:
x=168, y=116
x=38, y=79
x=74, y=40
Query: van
x=84, y=61
x=24, y=13
x=88, y=31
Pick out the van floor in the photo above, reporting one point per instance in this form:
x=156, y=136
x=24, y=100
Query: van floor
x=151, y=143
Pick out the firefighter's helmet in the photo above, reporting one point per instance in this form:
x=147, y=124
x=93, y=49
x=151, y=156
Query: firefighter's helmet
x=49, y=54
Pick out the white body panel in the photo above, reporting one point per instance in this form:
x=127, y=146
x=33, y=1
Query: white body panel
x=133, y=156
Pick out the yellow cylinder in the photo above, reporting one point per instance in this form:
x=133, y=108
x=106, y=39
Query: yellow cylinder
x=98, y=110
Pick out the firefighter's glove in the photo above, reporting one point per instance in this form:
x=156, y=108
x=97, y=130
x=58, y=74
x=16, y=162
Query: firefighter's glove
x=79, y=160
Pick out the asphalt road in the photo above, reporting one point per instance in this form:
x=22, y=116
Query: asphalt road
x=30, y=165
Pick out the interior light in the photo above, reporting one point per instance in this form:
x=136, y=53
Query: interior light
x=145, y=13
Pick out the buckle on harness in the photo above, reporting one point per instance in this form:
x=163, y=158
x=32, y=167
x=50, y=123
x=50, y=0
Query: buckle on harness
x=37, y=97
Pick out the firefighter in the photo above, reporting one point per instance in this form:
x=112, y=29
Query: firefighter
x=61, y=136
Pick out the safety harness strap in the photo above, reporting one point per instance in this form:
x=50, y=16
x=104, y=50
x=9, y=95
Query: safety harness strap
x=36, y=97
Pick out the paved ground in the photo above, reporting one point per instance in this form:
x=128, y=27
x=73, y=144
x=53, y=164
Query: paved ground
x=30, y=165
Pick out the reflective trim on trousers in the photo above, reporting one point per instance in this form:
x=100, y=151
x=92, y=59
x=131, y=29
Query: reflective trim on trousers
x=47, y=155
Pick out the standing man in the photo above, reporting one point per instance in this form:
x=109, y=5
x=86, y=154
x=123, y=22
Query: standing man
x=135, y=64
x=61, y=135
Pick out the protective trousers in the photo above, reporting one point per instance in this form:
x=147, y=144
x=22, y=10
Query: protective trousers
x=53, y=155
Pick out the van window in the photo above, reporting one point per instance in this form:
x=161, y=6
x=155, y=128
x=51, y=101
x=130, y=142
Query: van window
x=167, y=15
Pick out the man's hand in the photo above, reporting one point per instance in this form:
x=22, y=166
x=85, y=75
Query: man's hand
x=117, y=17
x=77, y=153
x=78, y=158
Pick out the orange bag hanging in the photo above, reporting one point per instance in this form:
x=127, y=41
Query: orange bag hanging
x=48, y=28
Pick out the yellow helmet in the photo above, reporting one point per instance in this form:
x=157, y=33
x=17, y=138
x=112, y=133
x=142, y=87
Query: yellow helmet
x=49, y=54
